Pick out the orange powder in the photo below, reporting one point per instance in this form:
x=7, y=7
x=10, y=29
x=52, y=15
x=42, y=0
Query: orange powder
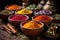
x=32, y=25
x=14, y=7
x=43, y=18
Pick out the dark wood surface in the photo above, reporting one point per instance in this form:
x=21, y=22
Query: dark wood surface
x=5, y=36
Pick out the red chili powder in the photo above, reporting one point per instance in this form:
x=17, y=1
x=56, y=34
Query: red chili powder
x=43, y=18
x=19, y=17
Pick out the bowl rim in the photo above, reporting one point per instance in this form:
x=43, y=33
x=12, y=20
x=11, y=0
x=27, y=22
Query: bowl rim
x=43, y=15
x=31, y=28
x=17, y=20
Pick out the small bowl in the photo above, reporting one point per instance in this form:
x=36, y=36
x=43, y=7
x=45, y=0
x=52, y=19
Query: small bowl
x=31, y=32
x=16, y=22
x=31, y=14
x=5, y=17
x=6, y=7
x=41, y=21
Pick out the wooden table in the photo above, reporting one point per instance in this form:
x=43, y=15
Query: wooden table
x=5, y=36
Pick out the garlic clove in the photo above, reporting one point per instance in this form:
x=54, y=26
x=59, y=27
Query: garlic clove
x=43, y=1
x=47, y=7
x=48, y=2
x=40, y=6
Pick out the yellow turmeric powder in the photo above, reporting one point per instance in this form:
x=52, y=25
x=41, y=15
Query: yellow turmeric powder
x=32, y=24
x=24, y=11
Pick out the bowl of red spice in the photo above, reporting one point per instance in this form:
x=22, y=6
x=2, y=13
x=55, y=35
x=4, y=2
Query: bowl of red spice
x=32, y=28
x=43, y=18
x=17, y=19
x=13, y=7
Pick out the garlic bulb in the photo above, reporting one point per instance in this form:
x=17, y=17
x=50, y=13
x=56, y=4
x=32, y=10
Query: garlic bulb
x=40, y=6
x=23, y=5
x=42, y=2
x=47, y=7
x=48, y=2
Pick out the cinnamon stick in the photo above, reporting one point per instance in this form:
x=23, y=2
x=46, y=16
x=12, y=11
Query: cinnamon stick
x=14, y=30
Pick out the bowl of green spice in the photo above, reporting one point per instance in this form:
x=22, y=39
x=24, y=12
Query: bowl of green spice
x=4, y=14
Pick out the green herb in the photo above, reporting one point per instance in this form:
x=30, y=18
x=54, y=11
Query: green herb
x=56, y=16
x=32, y=7
x=54, y=24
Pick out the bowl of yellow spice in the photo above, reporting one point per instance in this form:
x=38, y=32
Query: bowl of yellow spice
x=24, y=12
x=32, y=28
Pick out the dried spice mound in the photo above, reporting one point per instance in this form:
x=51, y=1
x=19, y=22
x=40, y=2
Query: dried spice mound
x=32, y=25
x=43, y=18
x=18, y=17
x=14, y=7
x=6, y=12
x=24, y=11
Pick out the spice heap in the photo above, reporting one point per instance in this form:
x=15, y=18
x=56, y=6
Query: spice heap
x=43, y=12
x=32, y=25
x=14, y=7
x=19, y=17
x=6, y=12
x=32, y=7
x=24, y=11
x=43, y=18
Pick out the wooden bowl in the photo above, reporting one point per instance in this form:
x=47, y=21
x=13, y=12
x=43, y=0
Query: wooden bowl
x=42, y=21
x=6, y=7
x=16, y=22
x=31, y=32
x=4, y=17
